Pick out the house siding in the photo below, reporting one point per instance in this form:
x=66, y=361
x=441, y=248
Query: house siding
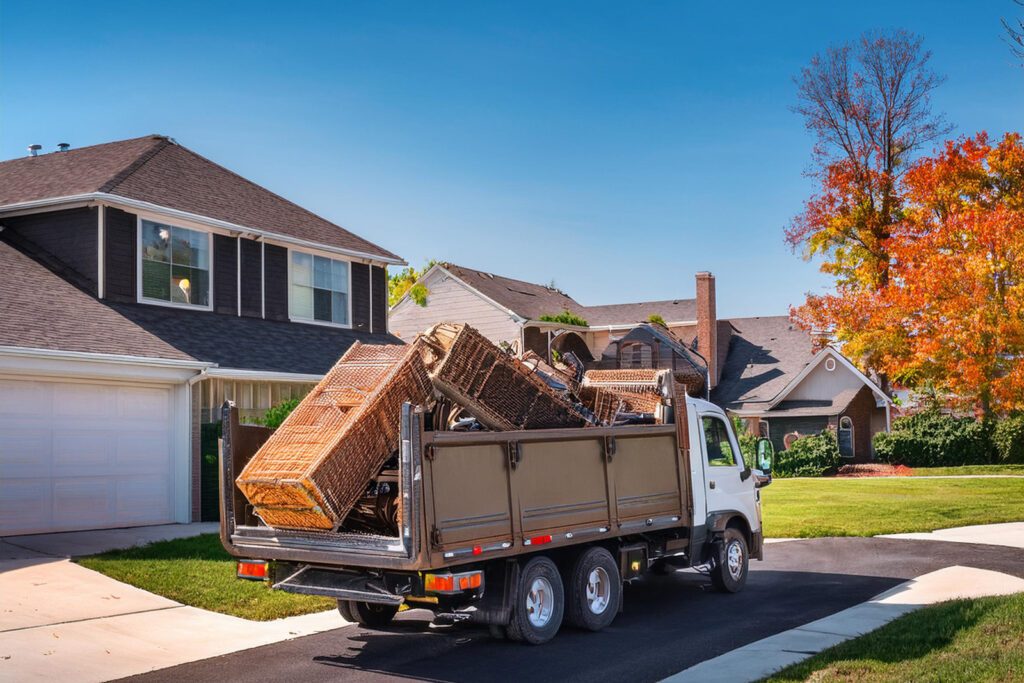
x=64, y=241
x=449, y=299
x=225, y=274
x=379, y=300
x=360, y=297
x=120, y=257
x=275, y=276
x=822, y=384
x=251, y=265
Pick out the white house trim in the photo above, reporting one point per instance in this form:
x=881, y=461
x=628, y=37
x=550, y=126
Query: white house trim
x=260, y=375
x=827, y=352
x=164, y=211
x=101, y=243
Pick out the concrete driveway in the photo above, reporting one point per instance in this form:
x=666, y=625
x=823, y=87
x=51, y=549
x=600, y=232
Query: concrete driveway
x=62, y=621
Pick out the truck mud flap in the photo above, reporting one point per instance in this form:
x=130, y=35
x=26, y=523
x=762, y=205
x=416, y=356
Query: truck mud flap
x=333, y=584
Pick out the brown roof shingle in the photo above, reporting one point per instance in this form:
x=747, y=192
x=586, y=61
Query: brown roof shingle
x=525, y=299
x=671, y=310
x=155, y=169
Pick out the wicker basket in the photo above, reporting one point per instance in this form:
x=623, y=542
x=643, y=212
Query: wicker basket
x=636, y=390
x=317, y=464
x=496, y=388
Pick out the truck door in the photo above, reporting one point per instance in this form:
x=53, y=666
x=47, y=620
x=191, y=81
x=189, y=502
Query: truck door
x=726, y=488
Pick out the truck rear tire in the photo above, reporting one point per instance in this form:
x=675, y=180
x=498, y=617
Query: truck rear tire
x=595, y=590
x=369, y=614
x=730, y=562
x=345, y=610
x=540, y=603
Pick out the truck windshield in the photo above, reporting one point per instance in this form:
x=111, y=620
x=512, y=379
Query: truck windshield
x=716, y=439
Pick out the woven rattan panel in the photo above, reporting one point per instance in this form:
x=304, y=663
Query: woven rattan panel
x=317, y=464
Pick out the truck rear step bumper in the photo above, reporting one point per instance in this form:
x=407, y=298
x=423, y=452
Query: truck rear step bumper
x=340, y=585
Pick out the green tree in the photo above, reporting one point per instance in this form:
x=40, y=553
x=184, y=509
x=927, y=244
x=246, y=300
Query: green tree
x=407, y=280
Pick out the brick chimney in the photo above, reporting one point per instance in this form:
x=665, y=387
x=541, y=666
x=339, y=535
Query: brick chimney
x=707, y=325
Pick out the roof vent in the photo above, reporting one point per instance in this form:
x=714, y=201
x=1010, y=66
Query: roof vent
x=33, y=150
x=63, y=146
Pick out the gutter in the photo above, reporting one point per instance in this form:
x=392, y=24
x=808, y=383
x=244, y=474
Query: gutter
x=118, y=200
x=51, y=354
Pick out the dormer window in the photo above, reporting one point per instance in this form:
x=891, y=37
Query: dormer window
x=319, y=289
x=174, y=265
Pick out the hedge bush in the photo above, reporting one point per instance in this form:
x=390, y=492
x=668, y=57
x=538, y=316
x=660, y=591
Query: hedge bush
x=934, y=439
x=1008, y=440
x=809, y=456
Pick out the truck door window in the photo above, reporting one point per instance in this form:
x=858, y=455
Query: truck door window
x=716, y=440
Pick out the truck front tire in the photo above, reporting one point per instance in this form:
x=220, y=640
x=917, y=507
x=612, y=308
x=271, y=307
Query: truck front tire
x=595, y=590
x=730, y=562
x=539, y=604
x=368, y=614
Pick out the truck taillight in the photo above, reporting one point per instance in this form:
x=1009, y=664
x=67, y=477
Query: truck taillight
x=252, y=569
x=452, y=583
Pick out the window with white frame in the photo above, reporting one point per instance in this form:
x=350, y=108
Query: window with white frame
x=319, y=289
x=175, y=264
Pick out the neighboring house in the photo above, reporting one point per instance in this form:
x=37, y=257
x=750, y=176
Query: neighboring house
x=764, y=370
x=142, y=285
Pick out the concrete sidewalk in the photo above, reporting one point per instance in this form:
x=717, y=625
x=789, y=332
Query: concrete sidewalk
x=62, y=621
x=1010, y=534
x=767, y=656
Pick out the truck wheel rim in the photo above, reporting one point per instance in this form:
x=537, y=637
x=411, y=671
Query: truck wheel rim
x=734, y=560
x=598, y=590
x=540, y=602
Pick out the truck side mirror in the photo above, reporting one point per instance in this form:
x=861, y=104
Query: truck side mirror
x=765, y=455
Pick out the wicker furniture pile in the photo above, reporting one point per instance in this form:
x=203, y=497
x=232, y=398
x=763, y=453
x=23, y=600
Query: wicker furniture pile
x=319, y=463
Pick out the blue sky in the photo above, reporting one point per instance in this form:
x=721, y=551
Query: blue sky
x=616, y=148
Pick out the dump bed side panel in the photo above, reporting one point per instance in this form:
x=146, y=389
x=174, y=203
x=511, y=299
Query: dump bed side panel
x=470, y=495
x=646, y=476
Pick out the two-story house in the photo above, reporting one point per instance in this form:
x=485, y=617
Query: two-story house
x=140, y=285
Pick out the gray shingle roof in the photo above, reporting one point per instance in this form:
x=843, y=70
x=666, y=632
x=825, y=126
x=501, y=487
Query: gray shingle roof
x=39, y=309
x=672, y=310
x=765, y=354
x=155, y=169
x=525, y=299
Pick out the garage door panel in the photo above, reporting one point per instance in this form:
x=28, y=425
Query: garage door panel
x=24, y=452
x=84, y=455
x=83, y=502
x=142, y=500
x=25, y=398
x=144, y=404
x=84, y=401
x=25, y=504
x=142, y=452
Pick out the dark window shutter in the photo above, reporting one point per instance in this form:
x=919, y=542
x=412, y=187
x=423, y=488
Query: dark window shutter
x=360, y=297
x=120, y=256
x=252, y=278
x=379, y=304
x=275, y=276
x=225, y=274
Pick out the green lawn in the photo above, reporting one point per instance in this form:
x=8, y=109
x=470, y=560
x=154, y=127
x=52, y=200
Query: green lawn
x=197, y=571
x=959, y=641
x=967, y=469
x=807, y=508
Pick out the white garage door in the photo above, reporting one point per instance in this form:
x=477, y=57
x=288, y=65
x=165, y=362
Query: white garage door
x=83, y=456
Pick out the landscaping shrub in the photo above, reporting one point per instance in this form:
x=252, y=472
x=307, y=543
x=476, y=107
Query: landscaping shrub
x=809, y=456
x=934, y=439
x=276, y=415
x=1008, y=439
x=565, y=317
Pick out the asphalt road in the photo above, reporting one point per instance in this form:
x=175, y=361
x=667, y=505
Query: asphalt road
x=669, y=623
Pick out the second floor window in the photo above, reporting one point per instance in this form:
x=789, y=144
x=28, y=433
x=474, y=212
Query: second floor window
x=175, y=265
x=319, y=289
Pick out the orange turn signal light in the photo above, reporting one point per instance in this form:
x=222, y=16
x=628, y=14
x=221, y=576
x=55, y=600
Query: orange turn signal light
x=252, y=569
x=452, y=583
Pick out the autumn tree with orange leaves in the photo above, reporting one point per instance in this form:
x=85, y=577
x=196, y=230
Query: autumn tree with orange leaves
x=868, y=106
x=957, y=274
